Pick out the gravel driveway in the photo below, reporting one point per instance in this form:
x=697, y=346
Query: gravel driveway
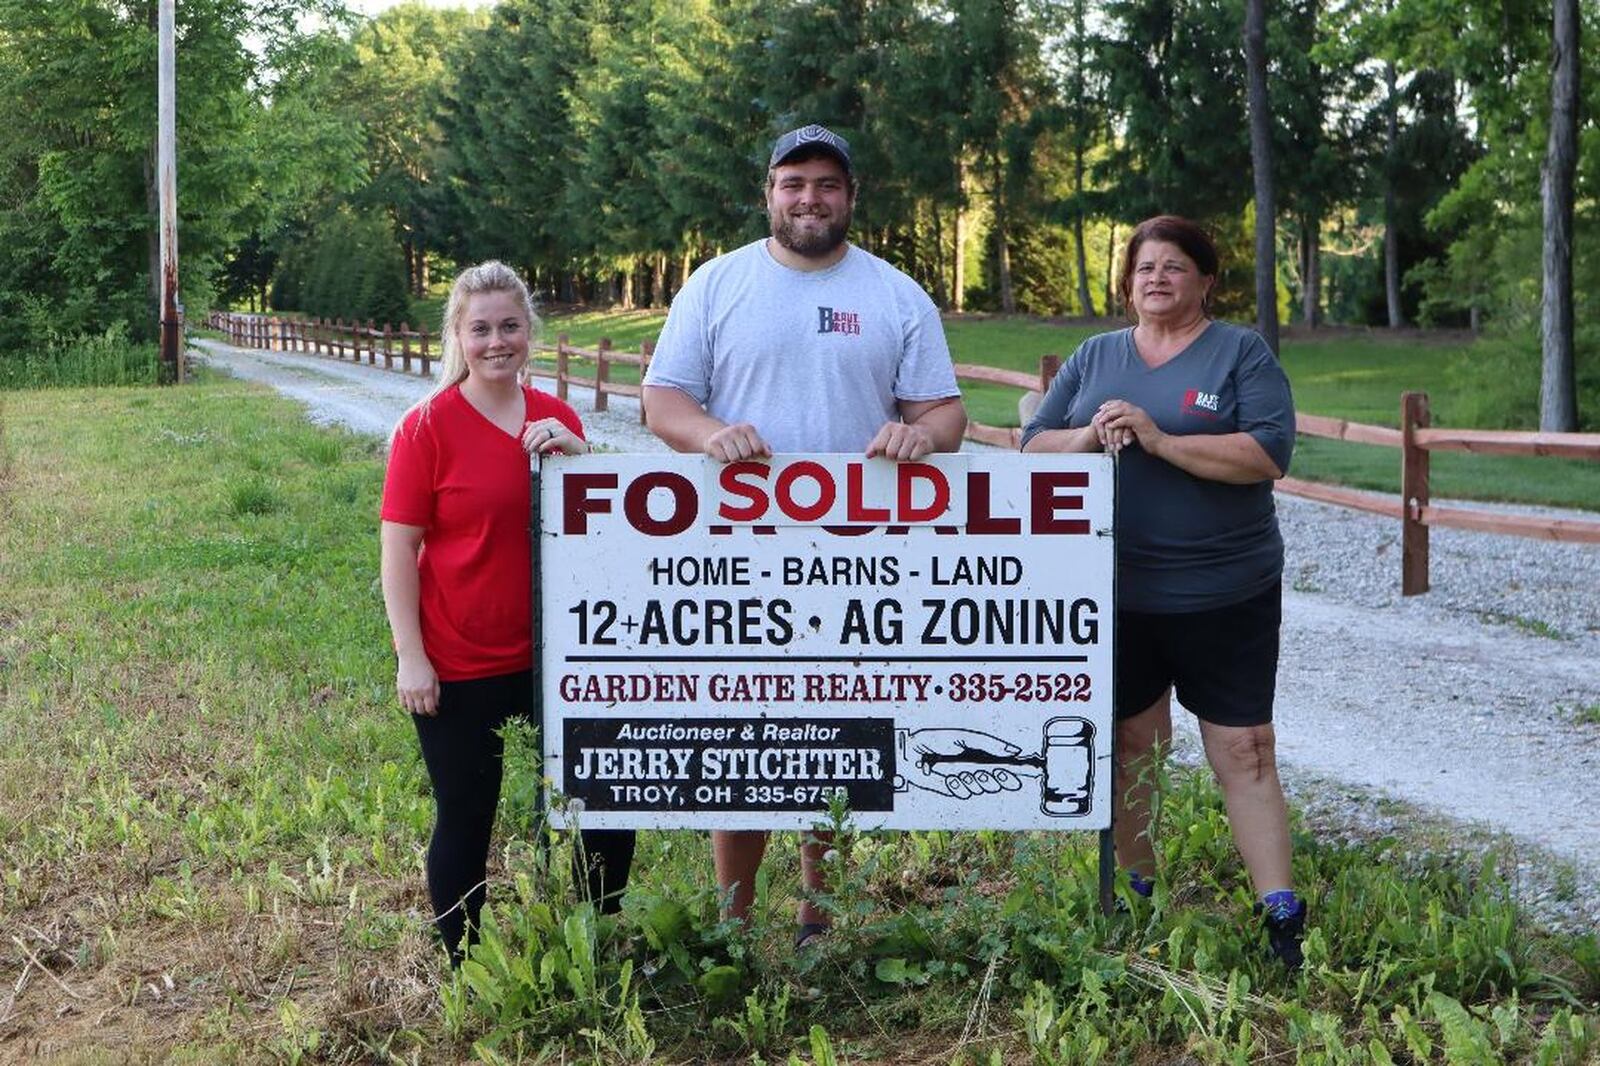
x=1450, y=719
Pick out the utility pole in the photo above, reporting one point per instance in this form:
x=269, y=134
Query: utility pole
x=167, y=188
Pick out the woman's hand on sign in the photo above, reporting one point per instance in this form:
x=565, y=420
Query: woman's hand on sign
x=550, y=435
x=1119, y=423
x=417, y=685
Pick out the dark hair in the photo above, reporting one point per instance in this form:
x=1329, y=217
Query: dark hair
x=1195, y=242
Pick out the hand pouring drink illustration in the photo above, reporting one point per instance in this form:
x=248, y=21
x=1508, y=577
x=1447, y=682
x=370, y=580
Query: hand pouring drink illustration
x=967, y=763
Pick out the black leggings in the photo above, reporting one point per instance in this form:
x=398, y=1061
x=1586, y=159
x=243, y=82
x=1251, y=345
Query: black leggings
x=464, y=749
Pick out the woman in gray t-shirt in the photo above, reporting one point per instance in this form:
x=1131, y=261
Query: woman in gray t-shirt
x=1201, y=419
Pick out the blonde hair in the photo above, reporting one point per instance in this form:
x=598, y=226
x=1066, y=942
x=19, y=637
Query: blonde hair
x=488, y=276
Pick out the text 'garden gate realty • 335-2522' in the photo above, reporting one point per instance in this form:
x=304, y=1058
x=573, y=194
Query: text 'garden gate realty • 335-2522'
x=730, y=646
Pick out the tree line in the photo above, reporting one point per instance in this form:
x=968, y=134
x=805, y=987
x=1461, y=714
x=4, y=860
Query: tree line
x=606, y=147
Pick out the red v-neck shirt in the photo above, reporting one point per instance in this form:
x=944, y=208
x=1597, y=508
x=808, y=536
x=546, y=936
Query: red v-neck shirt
x=464, y=480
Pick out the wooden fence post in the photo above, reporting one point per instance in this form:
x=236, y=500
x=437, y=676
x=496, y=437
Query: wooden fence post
x=388, y=351
x=423, y=330
x=646, y=351
x=602, y=370
x=405, y=347
x=1413, y=495
x=372, y=343
x=561, y=366
x=1049, y=367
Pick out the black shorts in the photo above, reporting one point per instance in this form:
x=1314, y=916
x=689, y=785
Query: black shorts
x=1223, y=662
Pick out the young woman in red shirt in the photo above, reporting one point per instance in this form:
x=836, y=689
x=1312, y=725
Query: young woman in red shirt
x=457, y=580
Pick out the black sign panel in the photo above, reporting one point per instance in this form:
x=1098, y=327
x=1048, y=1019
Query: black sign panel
x=728, y=764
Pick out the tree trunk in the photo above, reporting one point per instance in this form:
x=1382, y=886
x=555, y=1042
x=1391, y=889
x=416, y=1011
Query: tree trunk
x=626, y=301
x=958, y=275
x=1255, y=50
x=1111, y=271
x=1085, y=301
x=152, y=199
x=1391, y=244
x=941, y=290
x=1558, y=397
x=658, y=280
x=1002, y=243
x=1311, y=271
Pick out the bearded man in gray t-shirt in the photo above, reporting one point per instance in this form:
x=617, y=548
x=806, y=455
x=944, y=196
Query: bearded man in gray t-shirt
x=801, y=342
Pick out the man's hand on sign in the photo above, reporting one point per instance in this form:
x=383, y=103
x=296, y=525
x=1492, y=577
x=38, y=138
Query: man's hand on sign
x=550, y=435
x=901, y=442
x=964, y=763
x=730, y=444
x=417, y=685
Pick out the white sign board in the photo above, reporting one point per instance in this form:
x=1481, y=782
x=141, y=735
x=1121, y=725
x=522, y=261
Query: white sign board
x=727, y=647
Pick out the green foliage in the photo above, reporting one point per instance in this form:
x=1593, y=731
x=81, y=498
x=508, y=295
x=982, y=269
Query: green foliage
x=347, y=266
x=79, y=81
x=107, y=359
x=1497, y=380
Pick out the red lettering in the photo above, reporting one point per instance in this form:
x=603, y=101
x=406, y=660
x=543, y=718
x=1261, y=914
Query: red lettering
x=784, y=491
x=577, y=504
x=906, y=475
x=729, y=480
x=979, y=520
x=1049, y=501
x=685, y=504
x=855, y=504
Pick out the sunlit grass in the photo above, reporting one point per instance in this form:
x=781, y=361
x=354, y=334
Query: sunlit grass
x=212, y=815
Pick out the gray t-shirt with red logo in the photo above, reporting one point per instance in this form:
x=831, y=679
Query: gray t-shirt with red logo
x=815, y=360
x=1185, y=543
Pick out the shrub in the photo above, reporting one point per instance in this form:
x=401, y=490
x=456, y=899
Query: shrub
x=107, y=358
x=1497, y=381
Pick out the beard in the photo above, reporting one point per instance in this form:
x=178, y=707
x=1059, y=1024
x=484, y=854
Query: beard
x=813, y=244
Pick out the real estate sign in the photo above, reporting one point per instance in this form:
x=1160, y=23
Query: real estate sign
x=733, y=646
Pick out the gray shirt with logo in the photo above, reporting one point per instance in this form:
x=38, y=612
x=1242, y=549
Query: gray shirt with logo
x=815, y=360
x=1185, y=543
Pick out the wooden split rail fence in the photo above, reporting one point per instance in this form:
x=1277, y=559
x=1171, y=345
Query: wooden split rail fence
x=1416, y=439
x=353, y=340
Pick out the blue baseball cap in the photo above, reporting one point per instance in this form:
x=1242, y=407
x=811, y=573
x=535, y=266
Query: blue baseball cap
x=812, y=136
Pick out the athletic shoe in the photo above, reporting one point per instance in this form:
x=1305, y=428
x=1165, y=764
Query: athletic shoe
x=1284, y=929
x=808, y=933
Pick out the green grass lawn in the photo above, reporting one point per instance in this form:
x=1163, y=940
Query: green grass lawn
x=1356, y=375
x=212, y=816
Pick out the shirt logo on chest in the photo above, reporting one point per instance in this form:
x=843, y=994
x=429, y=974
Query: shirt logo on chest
x=1204, y=404
x=832, y=321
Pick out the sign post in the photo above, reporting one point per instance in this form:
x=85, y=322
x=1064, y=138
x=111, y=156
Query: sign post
x=734, y=646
